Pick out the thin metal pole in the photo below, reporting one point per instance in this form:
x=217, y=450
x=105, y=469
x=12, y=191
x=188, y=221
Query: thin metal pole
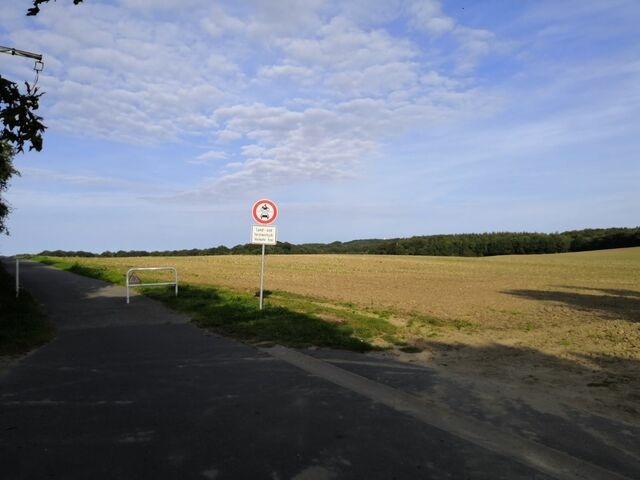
x=21, y=53
x=17, y=277
x=262, y=277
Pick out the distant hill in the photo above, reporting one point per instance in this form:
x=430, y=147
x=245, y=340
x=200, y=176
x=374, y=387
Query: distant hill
x=467, y=245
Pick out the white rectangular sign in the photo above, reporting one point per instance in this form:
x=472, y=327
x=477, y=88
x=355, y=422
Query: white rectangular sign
x=263, y=235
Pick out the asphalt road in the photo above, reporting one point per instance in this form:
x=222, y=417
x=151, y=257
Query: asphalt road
x=135, y=391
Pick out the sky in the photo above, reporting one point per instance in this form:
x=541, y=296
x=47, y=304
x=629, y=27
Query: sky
x=168, y=119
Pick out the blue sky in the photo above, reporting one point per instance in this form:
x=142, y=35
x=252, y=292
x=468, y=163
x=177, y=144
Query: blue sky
x=169, y=118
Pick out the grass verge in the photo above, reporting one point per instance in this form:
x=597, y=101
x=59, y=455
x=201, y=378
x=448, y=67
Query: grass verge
x=101, y=273
x=23, y=324
x=237, y=315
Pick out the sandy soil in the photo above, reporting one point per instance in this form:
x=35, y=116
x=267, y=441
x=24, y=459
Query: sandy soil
x=547, y=383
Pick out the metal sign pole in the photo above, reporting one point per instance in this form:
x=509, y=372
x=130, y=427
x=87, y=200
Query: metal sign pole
x=262, y=277
x=17, y=277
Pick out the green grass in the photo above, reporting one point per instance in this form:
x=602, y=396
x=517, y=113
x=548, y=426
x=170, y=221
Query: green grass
x=23, y=324
x=237, y=315
x=366, y=326
x=101, y=273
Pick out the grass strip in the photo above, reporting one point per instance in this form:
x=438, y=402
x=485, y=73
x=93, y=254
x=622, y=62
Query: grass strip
x=23, y=323
x=101, y=273
x=237, y=315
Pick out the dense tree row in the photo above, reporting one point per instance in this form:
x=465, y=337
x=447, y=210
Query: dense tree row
x=600, y=239
x=465, y=245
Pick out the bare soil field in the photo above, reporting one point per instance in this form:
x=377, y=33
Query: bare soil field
x=552, y=329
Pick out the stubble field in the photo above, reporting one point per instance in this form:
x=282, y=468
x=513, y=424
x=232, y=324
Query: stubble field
x=569, y=322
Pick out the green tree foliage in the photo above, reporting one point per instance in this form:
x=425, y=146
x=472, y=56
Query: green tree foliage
x=462, y=245
x=600, y=239
x=20, y=124
x=6, y=172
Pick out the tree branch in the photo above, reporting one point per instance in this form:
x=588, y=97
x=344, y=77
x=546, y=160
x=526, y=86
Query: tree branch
x=36, y=6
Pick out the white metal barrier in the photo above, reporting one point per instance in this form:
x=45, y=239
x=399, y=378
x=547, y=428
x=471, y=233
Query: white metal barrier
x=137, y=284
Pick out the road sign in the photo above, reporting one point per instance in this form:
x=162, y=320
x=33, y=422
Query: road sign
x=264, y=211
x=263, y=235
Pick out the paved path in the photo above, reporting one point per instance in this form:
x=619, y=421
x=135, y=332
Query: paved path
x=137, y=392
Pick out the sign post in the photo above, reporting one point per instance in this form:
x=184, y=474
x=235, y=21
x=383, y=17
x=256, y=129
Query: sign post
x=264, y=213
x=262, y=278
x=17, y=277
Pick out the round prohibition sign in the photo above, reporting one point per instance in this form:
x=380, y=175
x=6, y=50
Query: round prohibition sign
x=264, y=211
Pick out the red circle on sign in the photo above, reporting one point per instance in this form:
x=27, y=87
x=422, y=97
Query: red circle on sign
x=264, y=211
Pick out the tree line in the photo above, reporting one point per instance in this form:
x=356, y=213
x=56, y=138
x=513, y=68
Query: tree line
x=463, y=245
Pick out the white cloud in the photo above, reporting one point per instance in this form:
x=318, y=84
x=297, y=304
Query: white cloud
x=293, y=71
x=427, y=15
x=217, y=23
x=151, y=5
x=226, y=136
x=366, y=12
x=209, y=157
x=78, y=180
x=272, y=20
x=368, y=87
x=123, y=77
x=433, y=79
x=375, y=80
x=341, y=45
x=282, y=146
x=473, y=45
